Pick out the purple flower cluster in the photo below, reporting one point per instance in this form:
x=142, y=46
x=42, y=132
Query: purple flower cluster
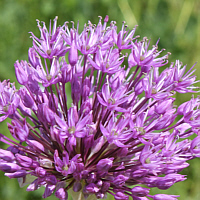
x=119, y=131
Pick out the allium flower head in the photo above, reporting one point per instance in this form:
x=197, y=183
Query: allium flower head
x=116, y=131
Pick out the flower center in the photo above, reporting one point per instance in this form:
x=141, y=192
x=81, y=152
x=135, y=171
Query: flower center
x=147, y=161
x=49, y=77
x=154, y=91
x=87, y=47
x=107, y=66
x=71, y=130
x=114, y=132
x=5, y=108
x=142, y=58
x=111, y=100
x=141, y=130
x=65, y=167
x=49, y=52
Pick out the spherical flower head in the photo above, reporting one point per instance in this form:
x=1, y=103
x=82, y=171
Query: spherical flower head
x=114, y=132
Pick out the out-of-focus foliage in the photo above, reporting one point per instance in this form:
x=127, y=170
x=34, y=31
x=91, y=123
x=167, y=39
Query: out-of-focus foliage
x=175, y=22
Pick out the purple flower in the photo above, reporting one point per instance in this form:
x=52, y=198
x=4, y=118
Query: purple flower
x=61, y=194
x=6, y=155
x=104, y=165
x=114, y=132
x=145, y=58
x=51, y=42
x=9, y=167
x=107, y=61
x=123, y=38
x=121, y=196
x=164, y=196
x=21, y=74
x=140, y=191
x=9, y=99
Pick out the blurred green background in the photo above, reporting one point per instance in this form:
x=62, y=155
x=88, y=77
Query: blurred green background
x=175, y=22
